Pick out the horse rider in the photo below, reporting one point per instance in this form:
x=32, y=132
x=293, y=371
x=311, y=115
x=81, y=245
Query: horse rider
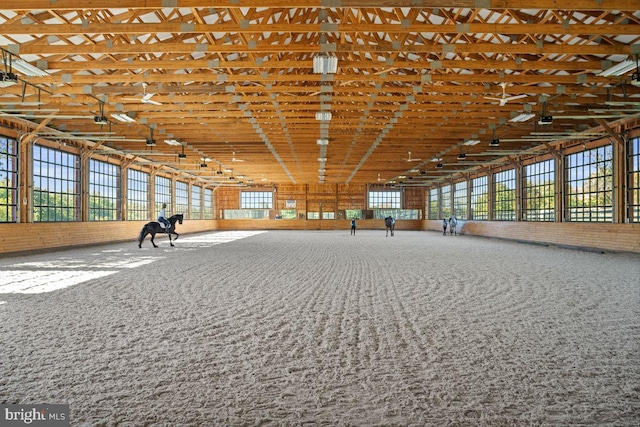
x=163, y=218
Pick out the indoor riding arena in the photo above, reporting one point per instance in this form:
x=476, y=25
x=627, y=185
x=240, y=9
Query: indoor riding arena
x=321, y=213
x=288, y=327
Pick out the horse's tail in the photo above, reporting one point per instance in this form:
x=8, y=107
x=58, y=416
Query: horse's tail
x=142, y=234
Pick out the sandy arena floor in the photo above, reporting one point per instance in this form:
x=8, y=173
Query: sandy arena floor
x=288, y=328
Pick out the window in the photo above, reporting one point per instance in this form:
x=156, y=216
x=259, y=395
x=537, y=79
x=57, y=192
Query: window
x=384, y=200
x=196, y=202
x=328, y=215
x=634, y=180
x=480, y=199
x=445, y=201
x=288, y=214
x=538, y=190
x=104, y=191
x=182, y=198
x=353, y=213
x=313, y=215
x=56, y=185
x=208, y=203
x=163, y=193
x=460, y=200
x=590, y=185
x=505, y=191
x=246, y=214
x=256, y=200
x=138, y=208
x=8, y=179
x=433, y=203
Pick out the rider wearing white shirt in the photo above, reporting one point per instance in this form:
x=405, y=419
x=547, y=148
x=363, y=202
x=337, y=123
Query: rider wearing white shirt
x=163, y=217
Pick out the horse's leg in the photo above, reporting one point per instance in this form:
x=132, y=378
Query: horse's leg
x=170, y=242
x=152, y=242
x=175, y=234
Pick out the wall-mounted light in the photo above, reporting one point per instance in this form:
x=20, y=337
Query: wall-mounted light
x=322, y=141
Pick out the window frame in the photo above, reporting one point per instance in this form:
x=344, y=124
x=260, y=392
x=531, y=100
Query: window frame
x=256, y=200
x=104, y=191
x=384, y=199
x=9, y=179
x=538, y=191
x=504, y=209
x=633, y=179
x=55, y=193
x=586, y=180
x=138, y=202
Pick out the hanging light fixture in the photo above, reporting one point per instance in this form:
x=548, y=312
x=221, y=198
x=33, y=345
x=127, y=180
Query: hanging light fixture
x=522, y=117
x=325, y=64
x=619, y=69
x=494, y=142
x=324, y=116
x=19, y=64
x=123, y=118
x=27, y=69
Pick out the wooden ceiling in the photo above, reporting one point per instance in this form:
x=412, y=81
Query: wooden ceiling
x=234, y=81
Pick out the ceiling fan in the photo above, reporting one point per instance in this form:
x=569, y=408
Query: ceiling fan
x=411, y=159
x=503, y=101
x=146, y=97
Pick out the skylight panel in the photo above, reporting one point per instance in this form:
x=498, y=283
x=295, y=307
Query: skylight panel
x=164, y=36
x=74, y=40
x=435, y=19
x=150, y=18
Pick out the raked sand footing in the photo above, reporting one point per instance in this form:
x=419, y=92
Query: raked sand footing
x=293, y=328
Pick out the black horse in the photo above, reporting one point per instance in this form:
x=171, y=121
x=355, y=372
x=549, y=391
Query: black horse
x=154, y=227
x=390, y=223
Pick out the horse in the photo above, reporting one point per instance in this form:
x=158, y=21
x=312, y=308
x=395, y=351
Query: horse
x=154, y=227
x=453, y=222
x=390, y=224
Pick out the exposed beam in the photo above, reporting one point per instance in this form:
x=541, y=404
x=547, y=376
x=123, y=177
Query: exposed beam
x=159, y=4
